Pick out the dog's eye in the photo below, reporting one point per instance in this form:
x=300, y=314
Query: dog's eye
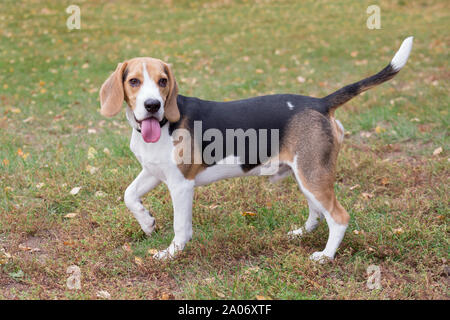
x=134, y=82
x=162, y=82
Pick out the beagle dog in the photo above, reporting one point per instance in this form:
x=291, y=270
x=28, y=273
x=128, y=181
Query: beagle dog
x=187, y=142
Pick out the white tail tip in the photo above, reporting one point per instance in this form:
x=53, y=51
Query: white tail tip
x=402, y=54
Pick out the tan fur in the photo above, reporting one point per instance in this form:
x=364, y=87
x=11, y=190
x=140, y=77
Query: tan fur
x=286, y=154
x=190, y=169
x=323, y=191
x=171, y=108
x=313, y=138
x=112, y=93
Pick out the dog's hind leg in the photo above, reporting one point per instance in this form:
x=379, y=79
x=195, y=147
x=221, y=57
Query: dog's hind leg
x=143, y=183
x=313, y=142
x=323, y=203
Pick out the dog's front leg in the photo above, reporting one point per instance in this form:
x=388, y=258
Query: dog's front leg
x=143, y=183
x=182, y=193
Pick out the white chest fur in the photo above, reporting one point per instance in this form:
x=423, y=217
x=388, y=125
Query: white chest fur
x=156, y=158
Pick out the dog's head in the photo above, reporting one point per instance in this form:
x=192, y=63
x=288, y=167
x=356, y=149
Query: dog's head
x=150, y=90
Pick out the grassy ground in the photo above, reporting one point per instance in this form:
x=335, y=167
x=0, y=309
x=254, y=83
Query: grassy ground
x=53, y=139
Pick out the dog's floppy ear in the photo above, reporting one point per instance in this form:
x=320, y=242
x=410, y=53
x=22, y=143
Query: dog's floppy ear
x=171, y=110
x=112, y=93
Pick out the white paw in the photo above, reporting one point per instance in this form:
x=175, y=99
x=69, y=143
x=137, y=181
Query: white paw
x=169, y=253
x=149, y=226
x=163, y=255
x=320, y=257
x=295, y=233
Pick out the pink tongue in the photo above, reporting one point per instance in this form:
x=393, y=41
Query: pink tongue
x=151, y=130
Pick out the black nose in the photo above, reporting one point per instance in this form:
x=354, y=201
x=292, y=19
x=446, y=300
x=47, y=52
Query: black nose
x=152, y=105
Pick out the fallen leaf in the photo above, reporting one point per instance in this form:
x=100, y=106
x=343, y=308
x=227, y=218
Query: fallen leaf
x=367, y=195
x=314, y=283
x=91, y=169
x=22, y=154
x=354, y=187
x=379, y=130
x=40, y=185
x=437, y=151
x=398, y=231
x=251, y=270
x=71, y=215
x=91, y=153
x=354, y=54
x=165, y=296
x=209, y=280
x=75, y=190
x=152, y=251
x=103, y=294
x=301, y=79
x=126, y=247
x=100, y=194
x=4, y=256
x=248, y=214
x=262, y=298
x=24, y=247
x=384, y=181
x=138, y=261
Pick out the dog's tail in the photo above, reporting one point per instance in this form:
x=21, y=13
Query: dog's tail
x=346, y=93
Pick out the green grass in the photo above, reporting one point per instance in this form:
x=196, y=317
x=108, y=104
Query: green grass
x=222, y=50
